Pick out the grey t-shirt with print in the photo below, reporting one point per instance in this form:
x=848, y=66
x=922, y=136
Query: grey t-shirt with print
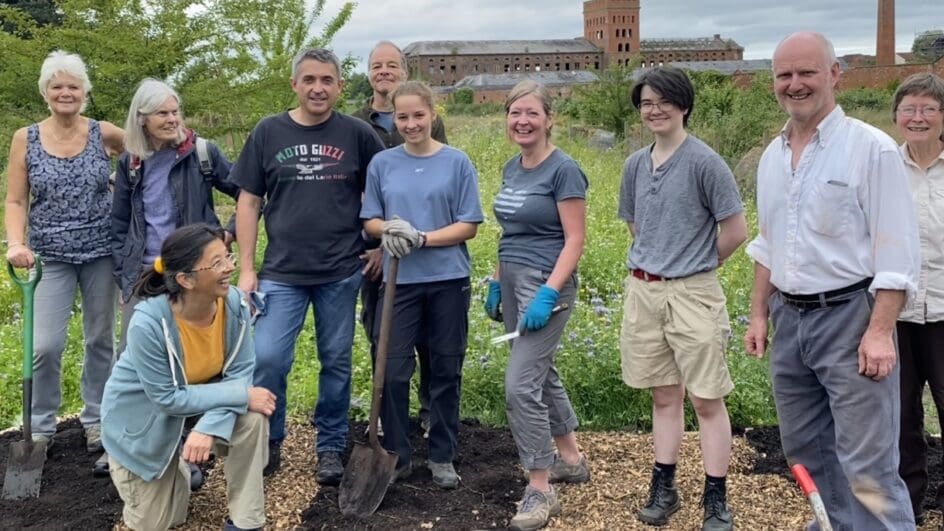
x=676, y=208
x=526, y=208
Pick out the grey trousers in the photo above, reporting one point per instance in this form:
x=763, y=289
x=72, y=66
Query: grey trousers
x=55, y=295
x=127, y=310
x=841, y=425
x=536, y=402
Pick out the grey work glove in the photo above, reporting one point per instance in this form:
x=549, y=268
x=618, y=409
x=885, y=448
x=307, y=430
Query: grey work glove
x=398, y=237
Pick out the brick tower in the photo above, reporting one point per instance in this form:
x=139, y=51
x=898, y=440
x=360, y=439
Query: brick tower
x=613, y=26
x=885, y=39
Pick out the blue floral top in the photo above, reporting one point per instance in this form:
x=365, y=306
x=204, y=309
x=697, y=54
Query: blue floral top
x=70, y=207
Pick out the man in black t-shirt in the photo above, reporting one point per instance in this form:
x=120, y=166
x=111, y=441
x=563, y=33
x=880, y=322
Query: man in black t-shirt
x=310, y=165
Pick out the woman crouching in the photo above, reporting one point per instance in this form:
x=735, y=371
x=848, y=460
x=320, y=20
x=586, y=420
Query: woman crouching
x=188, y=365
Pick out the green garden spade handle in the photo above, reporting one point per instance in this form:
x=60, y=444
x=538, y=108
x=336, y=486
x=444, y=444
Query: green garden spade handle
x=28, y=287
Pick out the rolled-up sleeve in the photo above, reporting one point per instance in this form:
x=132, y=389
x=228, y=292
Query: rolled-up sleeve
x=759, y=251
x=893, y=226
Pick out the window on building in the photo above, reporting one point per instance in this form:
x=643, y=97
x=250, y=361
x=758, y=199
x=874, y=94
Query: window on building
x=627, y=47
x=619, y=47
x=557, y=66
x=630, y=32
x=617, y=34
x=527, y=67
x=566, y=66
x=596, y=65
x=507, y=69
x=537, y=68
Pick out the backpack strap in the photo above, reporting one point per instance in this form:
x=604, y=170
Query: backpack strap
x=203, y=154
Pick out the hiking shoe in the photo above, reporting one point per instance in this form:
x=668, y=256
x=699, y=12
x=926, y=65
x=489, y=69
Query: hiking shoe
x=663, y=501
x=330, y=469
x=275, y=459
x=230, y=526
x=402, y=473
x=536, y=509
x=100, y=468
x=563, y=472
x=444, y=475
x=717, y=515
x=93, y=439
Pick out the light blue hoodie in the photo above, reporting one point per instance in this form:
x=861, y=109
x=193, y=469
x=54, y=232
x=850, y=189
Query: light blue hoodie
x=147, y=397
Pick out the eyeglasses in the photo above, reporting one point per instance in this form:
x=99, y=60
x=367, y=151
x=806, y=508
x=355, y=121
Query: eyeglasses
x=927, y=112
x=220, y=265
x=663, y=106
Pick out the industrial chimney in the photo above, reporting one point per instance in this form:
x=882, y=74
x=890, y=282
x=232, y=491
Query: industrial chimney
x=885, y=39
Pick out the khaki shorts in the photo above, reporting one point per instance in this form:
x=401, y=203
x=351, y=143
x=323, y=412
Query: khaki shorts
x=676, y=331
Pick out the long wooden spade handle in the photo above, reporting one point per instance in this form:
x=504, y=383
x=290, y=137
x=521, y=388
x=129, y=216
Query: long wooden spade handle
x=380, y=364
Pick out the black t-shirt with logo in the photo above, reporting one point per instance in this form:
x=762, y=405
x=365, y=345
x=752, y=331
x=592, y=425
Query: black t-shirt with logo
x=312, y=178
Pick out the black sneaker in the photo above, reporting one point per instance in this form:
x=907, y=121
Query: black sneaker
x=275, y=459
x=663, y=501
x=330, y=469
x=717, y=515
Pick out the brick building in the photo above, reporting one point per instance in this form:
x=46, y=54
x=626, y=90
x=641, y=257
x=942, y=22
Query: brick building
x=611, y=36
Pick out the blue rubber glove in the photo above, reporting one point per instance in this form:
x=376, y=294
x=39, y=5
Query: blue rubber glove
x=539, y=310
x=493, y=301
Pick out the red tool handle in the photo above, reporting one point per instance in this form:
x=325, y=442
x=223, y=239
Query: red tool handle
x=803, y=479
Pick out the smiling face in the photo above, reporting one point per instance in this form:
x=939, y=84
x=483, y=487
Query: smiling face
x=925, y=125
x=211, y=275
x=527, y=123
x=65, y=94
x=414, y=119
x=805, y=79
x=660, y=116
x=162, y=127
x=386, y=69
x=318, y=87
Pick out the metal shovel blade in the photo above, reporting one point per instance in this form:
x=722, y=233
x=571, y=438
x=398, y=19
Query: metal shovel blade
x=366, y=478
x=24, y=470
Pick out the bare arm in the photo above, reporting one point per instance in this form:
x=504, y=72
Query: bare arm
x=755, y=339
x=573, y=219
x=877, y=355
x=114, y=138
x=374, y=227
x=453, y=234
x=247, y=232
x=632, y=228
x=732, y=232
x=17, y=203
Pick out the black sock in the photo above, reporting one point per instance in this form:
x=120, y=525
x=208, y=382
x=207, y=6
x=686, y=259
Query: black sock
x=667, y=471
x=716, y=482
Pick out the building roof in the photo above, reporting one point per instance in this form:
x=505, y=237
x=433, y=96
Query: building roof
x=700, y=44
x=725, y=67
x=509, y=80
x=579, y=45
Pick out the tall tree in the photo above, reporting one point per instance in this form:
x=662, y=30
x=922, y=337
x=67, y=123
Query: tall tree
x=928, y=46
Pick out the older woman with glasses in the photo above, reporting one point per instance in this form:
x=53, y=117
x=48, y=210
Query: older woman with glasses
x=58, y=204
x=165, y=181
x=188, y=364
x=917, y=111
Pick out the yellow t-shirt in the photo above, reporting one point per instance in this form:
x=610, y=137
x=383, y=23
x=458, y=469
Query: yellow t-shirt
x=203, y=347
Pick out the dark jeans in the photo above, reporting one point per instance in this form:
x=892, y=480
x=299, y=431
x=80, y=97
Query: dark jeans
x=921, y=351
x=370, y=295
x=440, y=312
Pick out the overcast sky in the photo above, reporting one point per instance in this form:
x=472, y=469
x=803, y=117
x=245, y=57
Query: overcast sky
x=757, y=25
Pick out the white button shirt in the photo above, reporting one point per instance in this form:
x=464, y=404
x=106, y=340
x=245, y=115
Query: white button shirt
x=927, y=190
x=844, y=214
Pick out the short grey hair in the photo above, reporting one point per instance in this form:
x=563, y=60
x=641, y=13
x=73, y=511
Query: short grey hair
x=63, y=62
x=392, y=45
x=322, y=55
x=149, y=96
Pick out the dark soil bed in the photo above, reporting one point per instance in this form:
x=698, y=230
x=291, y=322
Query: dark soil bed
x=69, y=498
x=490, y=484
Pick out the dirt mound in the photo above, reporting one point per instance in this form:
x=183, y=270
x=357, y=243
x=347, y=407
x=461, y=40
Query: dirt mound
x=70, y=498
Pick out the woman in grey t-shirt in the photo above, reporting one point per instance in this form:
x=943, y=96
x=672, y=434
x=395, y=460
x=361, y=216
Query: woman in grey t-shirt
x=542, y=209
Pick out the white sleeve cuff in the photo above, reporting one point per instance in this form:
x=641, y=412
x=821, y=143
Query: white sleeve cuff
x=758, y=251
x=894, y=281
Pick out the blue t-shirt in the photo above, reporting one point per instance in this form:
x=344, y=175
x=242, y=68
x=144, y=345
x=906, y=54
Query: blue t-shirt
x=526, y=208
x=160, y=216
x=385, y=120
x=430, y=192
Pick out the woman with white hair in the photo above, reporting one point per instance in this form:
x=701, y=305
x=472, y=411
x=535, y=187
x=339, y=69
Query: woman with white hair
x=57, y=206
x=163, y=182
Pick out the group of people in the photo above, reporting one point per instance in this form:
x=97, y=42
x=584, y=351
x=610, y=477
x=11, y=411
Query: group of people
x=201, y=367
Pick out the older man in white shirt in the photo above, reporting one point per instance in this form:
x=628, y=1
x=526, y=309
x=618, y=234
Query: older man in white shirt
x=835, y=261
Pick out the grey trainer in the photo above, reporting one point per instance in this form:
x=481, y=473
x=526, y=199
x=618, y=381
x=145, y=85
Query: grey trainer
x=536, y=509
x=444, y=475
x=93, y=439
x=563, y=472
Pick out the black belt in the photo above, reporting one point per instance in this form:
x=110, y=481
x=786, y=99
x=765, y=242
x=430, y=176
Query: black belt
x=826, y=298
